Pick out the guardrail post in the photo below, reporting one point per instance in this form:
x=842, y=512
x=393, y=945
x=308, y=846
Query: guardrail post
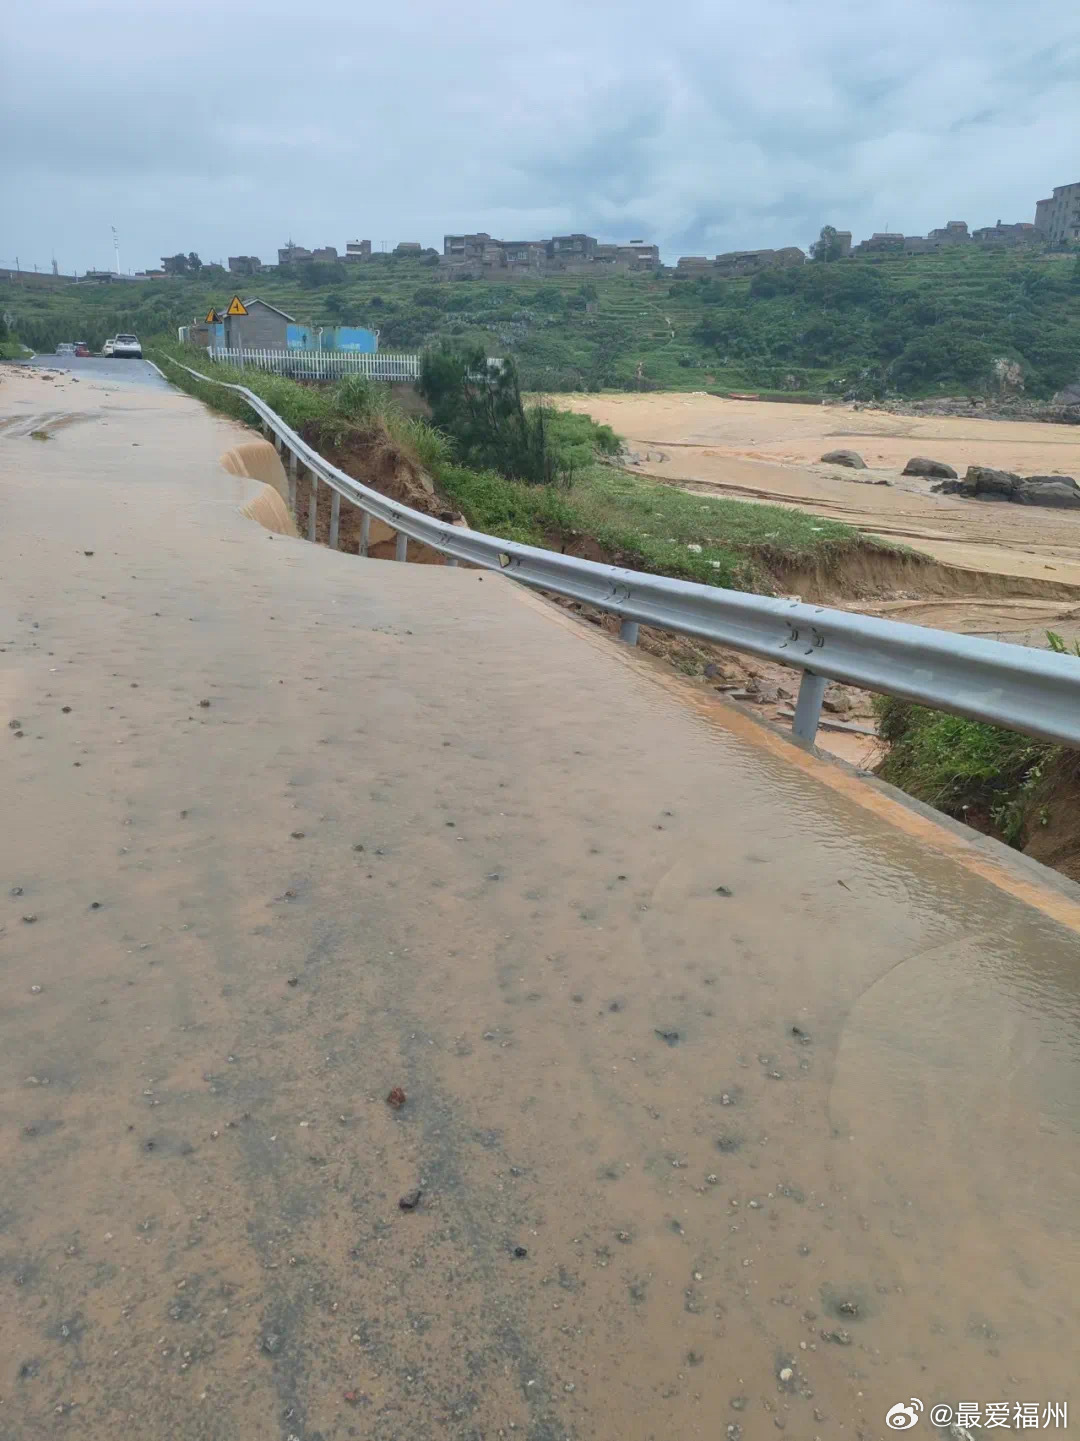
x=808, y=705
x=293, y=463
x=628, y=632
x=335, y=518
x=313, y=506
x=401, y=546
x=365, y=534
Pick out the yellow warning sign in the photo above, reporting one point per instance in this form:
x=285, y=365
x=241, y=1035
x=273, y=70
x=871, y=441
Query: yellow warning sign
x=236, y=306
x=211, y=316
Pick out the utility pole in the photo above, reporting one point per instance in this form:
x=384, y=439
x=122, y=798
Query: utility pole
x=116, y=248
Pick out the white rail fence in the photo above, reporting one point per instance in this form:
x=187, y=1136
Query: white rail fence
x=320, y=364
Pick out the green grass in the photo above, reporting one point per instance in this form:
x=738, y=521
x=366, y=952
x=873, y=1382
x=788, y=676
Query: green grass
x=972, y=771
x=648, y=526
x=920, y=325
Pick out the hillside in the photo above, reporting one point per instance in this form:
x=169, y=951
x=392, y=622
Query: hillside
x=919, y=325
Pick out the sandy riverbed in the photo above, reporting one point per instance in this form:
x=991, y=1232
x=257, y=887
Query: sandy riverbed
x=761, y=451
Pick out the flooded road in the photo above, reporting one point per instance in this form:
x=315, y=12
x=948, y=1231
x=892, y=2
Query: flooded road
x=740, y=1098
x=102, y=368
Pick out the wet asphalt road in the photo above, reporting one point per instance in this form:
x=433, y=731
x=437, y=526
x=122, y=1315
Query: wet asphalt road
x=740, y=1098
x=100, y=367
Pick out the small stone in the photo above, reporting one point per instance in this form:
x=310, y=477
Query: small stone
x=738, y=1403
x=297, y=835
x=35, y=990
x=396, y=1098
x=724, y=891
x=671, y=1037
x=14, y=725
x=848, y=1308
x=205, y=704
x=16, y=890
x=29, y=920
x=271, y=1343
x=293, y=981
x=359, y=847
x=839, y=1337
x=410, y=1200
x=519, y=1253
x=95, y=905
x=624, y=1237
x=785, y=1373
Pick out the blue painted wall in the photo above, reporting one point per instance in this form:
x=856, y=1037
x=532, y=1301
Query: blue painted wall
x=351, y=337
x=338, y=337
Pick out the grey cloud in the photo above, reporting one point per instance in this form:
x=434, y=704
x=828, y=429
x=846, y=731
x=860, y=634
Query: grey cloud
x=223, y=126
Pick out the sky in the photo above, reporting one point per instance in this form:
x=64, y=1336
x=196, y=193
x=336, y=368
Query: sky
x=712, y=125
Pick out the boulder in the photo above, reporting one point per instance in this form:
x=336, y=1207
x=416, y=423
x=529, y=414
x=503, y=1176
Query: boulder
x=850, y=458
x=1059, y=491
x=986, y=483
x=920, y=465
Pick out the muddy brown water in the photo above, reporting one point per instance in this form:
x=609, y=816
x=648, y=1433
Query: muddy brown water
x=838, y=1102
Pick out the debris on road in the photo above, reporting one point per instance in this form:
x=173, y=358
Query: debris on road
x=410, y=1200
x=396, y=1098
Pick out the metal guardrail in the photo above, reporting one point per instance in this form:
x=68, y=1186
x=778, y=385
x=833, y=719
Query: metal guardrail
x=1036, y=692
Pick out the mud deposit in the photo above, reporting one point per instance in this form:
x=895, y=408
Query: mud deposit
x=736, y=1101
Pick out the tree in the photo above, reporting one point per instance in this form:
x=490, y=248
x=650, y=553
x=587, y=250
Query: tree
x=827, y=246
x=479, y=405
x=194, y=263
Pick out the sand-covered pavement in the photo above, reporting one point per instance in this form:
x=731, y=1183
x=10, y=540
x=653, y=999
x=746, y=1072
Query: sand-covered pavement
x=739, y=1097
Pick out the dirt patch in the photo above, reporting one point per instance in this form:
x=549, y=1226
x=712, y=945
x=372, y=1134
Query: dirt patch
x=374, y=459
x=1053, y=827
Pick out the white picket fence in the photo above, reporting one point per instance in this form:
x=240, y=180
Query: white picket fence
x=321, y=364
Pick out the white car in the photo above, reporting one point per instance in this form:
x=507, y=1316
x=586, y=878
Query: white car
x=66, y=347
x=127, y=347
x=107, y=348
